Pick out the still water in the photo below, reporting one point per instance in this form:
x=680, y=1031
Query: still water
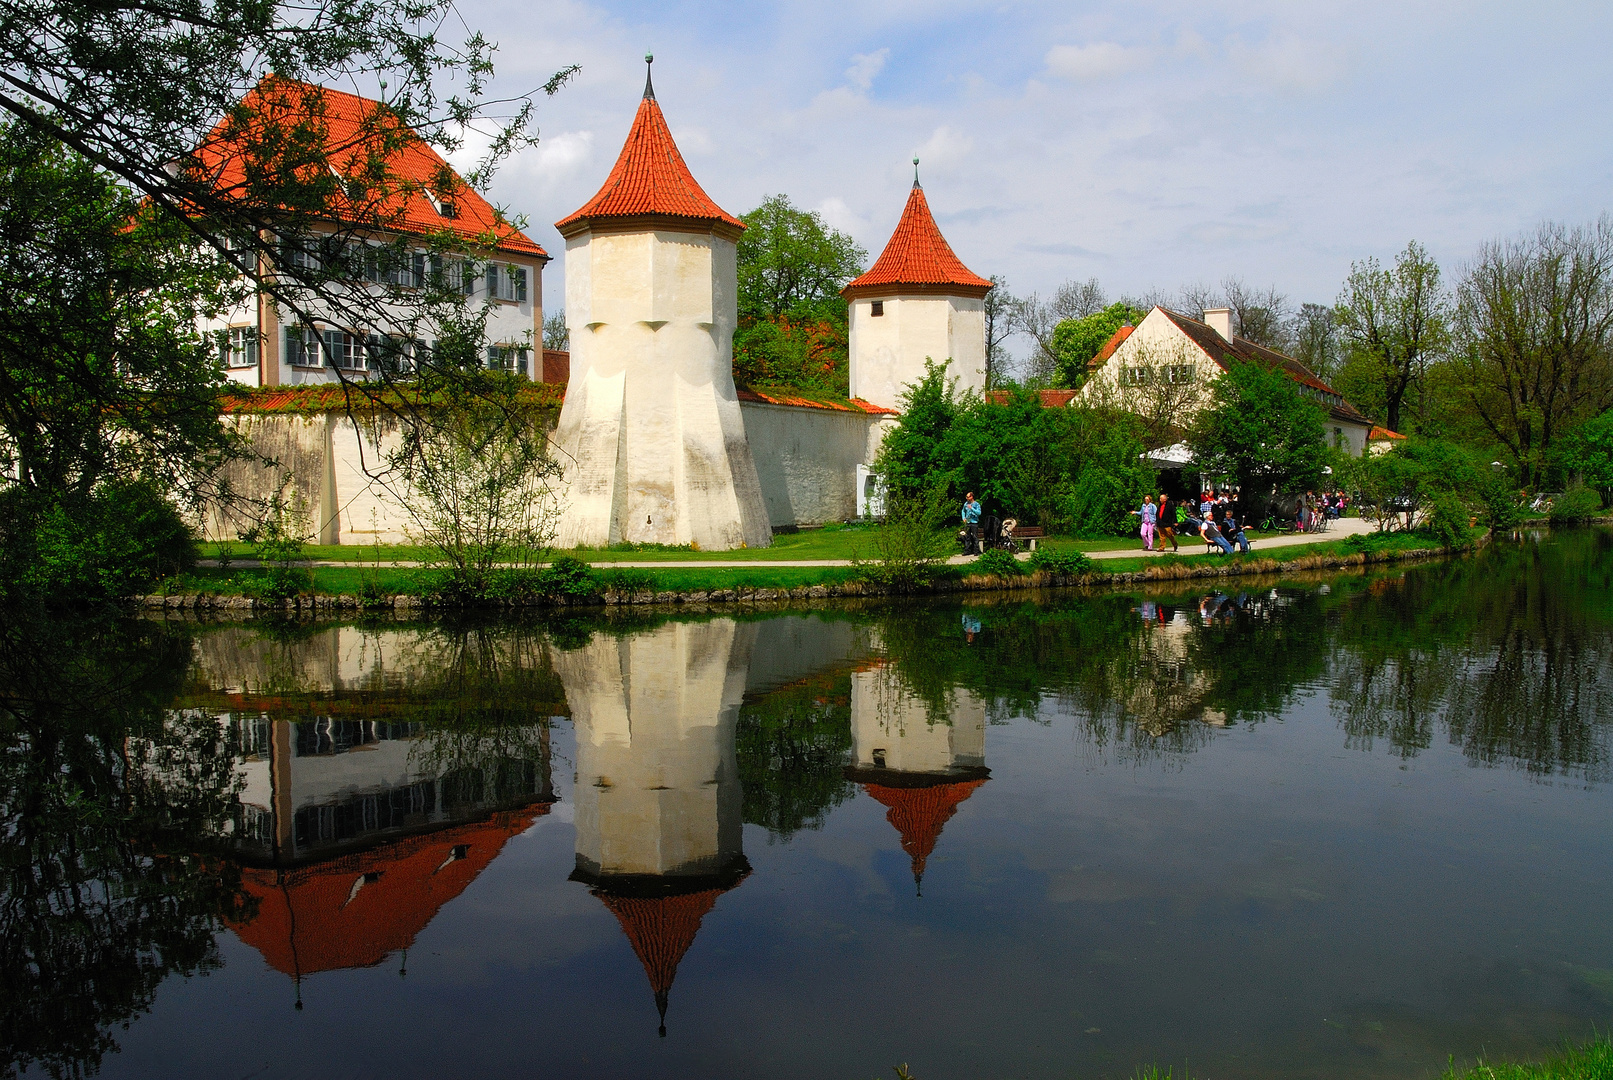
x=1339, y=827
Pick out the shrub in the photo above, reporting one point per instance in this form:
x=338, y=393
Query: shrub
x=627, y=580
x=568, y=577
x=907, y=547
x=1448, y=521
x=998, y=564
x=280, y=583
x=115, y=542
x=1577, y=504
x=1062, y=563
x=1501, y=509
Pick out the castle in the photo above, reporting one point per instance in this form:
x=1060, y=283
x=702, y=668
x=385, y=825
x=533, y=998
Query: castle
x=655, y=441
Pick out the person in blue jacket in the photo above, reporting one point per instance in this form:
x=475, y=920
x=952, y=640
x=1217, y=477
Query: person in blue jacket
x=971, y=521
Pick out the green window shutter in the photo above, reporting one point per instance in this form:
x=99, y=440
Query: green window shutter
x=518, y=274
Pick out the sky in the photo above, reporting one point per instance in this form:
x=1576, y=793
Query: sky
x=1149, y=145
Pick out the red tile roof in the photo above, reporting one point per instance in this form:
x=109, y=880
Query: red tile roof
x=351, y=128
x=919, y=814
x=1109, y=347
x=650, y=180
x=776, y=397
x=1383, y=434
x=354, y=911
x=917, y=255
x=1050, y=399
x=334, y=397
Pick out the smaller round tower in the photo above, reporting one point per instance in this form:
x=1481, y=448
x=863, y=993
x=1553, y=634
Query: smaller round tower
x=918, y=302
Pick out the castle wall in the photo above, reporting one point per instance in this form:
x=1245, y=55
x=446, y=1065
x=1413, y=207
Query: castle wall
x=806, y=460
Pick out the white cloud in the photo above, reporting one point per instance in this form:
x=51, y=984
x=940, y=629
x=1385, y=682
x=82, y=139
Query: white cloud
x=1100, y=60
x=945, y=149
x=563, y=154
x=864, y=66
x=1291, y=63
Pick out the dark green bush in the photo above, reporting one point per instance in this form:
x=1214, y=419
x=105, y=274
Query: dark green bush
x=115, y=542
x=278, y=584
x=1064, y=563
x=568, y=577
x=627, y=580
x=1577, y=504
x=999, y=564
x=1448, y=521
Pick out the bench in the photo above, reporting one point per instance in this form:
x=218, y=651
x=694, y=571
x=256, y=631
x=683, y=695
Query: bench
x=1028, y=533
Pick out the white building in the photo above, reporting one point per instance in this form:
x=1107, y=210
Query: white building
x=1169, y=360
x=359, y=326
x=918, y=302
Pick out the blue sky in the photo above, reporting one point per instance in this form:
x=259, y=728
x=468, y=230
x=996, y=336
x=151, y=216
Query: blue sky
x=1147, y=144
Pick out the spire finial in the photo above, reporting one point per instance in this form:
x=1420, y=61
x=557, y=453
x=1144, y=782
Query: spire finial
x=916, y=173
x=649, y=87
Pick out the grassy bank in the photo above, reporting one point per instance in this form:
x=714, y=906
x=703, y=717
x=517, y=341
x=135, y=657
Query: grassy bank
x=1593, y=1061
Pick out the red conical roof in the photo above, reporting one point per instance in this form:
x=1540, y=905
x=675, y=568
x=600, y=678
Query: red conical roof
x=650, y=180
x=918, y=255
x=919, y=814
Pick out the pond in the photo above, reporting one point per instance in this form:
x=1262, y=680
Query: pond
x=1331, y=827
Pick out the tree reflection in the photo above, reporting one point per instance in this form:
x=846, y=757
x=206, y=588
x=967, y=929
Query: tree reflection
x=793, y=745
x=107, y=804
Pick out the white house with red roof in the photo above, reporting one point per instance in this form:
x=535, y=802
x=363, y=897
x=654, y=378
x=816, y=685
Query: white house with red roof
x=918, y=302
x=353, y=333
x=1169, y=350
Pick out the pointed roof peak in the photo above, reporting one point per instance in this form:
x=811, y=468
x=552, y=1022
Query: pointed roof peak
x=919, y=813
x=917, y=257
x=649, y=87
x=651, y=181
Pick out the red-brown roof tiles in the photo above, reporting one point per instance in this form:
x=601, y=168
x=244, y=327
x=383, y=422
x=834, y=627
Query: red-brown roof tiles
x=1383, y=434
x=353, y=127
x=650, y=180
x=1109, y=347
x=919, y=813
x=917, y=255
x=775, y=397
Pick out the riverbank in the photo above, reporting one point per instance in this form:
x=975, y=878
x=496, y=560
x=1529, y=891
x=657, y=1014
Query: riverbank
x=381, y=589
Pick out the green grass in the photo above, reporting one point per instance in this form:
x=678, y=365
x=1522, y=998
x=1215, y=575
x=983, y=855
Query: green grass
x=1593, y=1061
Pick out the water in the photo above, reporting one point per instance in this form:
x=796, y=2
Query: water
x=1335, y=828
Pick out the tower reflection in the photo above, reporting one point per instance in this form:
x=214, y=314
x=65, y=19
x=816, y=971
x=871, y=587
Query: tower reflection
x=658, y=794
x=919, y=766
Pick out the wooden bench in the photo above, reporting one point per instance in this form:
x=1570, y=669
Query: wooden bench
x=1028, y=533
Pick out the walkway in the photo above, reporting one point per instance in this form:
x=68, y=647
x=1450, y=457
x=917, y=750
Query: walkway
x=1338, y=530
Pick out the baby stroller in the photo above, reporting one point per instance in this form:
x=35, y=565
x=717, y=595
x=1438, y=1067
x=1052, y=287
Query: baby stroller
x=993, y=534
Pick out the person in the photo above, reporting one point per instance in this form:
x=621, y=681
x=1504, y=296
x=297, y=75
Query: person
x=1205, y=503
x=1212, y=535
x=971, y=627
x=1150, y=517
x=971, y=522
x=1168, y=509
x=1234, y=531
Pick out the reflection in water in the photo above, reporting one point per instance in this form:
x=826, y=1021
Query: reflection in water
x=919, y=767
x=325, y=793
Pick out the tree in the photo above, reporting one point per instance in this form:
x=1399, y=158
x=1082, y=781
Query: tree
x=1259, y=432
x=556, y=335
x=1077, y=341
x=999, y=304
x=1037, y=319
x=1586, y=453
x=1394, y=323
x=1316, y=340
x=791, y=263
x=1260, y=317
x=1535, y=337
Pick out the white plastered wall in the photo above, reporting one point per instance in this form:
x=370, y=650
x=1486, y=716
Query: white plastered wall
x=890, y=725
x=651, y=438
x=806, y=460
x=1154, y=342
x=887, y=352
x=657, y=787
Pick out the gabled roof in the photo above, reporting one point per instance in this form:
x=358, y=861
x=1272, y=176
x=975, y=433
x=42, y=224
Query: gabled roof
x=1108, y=348
x=352, y=128
x=354, y=911
x=1383, y=434
x=917, y=257
x=919, y=813
x=650, y=180
x=1224, y=352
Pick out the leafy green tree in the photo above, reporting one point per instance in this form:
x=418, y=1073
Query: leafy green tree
x=1587, y=452
x=910, y=459
x=1077, y=341
x=1259, y=432
x=1394, y=323
x=791, y=263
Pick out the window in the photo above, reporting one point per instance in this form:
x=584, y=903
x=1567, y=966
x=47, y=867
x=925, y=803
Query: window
x=506, y=282
x=302, y=347
x=238, y=347
x=445, y=207
x=389, y=266
x=299, y=255
x=1181, y=373
x=344, y=350
x=1136, y=376
x=877, y=308
x=507, y=358
x=392, y=353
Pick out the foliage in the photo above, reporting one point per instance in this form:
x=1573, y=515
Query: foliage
x=569, y=577
x=1448, y=521
x=998, y=308
x=1534, y=339
x=1593, y=1061
x=792, y=747
x=1586, y=452
x=1316, y=341
x=908, y=547
x=1394, y=323
x=482, y=480
x=1068, y=563
x=1259, y=432
x=803, y=355
x=999, y=564
x=1038, y=318
x=626, y=579
x=791, y=263
x=1410, y=480
x=909, y=460
x=556, y=335
x=1111, y=481
x=277, y=542
x=1077, y=341
x=1578, y=503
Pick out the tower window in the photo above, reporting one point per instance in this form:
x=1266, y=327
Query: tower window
x=877, y=308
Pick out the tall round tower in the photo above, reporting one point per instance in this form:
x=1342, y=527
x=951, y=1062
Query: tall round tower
x=650, y=437
x=918, y=302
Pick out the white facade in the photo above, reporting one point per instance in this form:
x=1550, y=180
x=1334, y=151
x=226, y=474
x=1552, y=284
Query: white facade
x=892, y=729
x=891, y=337
x=650, y=439
x=257, y=352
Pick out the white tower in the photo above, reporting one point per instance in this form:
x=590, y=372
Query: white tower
x=650, y=437
x=918, y=302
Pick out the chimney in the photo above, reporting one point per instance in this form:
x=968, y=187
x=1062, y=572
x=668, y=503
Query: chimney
x=1219, y=319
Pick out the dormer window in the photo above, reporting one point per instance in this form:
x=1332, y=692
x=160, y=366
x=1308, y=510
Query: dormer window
x=877, y=308
x=445, y=206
